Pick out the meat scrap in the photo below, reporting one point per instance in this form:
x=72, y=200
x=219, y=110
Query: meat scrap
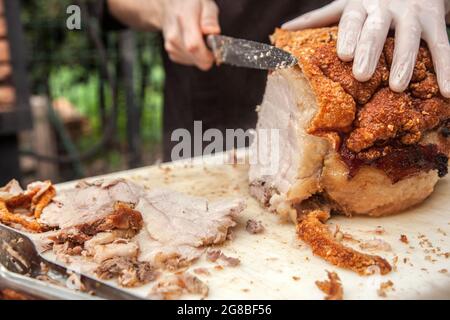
x=202, y=271
x=384, y=287
x=194, y=285
x=74, y=282
x=130, y=272
x=331, y=287
x=231, y=262
x=312, y=230
x=379, y=230
x=122, y=218
x=254, y=227
x=404, y=239
x=214, y=255
x=174, y=286
x=376, y=244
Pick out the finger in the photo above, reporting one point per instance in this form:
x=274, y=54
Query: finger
x=173, y=41
x=180, y=58
x=370, y=43
x=407, y=42
x=350, y=26
x=435, y=35
x=209, y=20
x=173, y=44
x=193, y=39
x=317, y=18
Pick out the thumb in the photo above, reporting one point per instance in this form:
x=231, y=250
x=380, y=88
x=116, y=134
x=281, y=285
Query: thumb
x=210, y=17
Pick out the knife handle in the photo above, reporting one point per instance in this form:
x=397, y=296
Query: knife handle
x=210, y=42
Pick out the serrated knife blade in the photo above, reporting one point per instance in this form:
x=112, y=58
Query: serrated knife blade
x=249, y=54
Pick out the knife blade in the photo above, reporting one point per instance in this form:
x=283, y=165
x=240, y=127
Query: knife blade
x=249, y=54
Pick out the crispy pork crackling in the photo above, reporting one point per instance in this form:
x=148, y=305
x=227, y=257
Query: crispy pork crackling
x=355, y=148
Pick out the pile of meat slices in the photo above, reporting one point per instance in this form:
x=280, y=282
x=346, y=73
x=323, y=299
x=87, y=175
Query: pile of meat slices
x=118, y=228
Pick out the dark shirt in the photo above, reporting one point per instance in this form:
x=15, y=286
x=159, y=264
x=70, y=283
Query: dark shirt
x=224, y=97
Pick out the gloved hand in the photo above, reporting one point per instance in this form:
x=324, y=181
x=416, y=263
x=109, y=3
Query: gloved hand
x=363, y=28
x=183, y=24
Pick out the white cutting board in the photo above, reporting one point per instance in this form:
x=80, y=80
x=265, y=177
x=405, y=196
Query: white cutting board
x=271, y=260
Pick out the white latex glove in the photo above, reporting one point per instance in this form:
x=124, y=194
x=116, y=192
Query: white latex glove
x=363, y=28
x=184, y=24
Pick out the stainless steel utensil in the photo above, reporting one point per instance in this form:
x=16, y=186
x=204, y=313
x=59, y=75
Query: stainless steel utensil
x=249, y=54
x=21, y=264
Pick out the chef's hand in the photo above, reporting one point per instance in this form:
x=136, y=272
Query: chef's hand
x=184, y=24
x=363, y=28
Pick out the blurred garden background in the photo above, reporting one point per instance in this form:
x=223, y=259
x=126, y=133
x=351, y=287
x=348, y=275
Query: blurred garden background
x=105, y=90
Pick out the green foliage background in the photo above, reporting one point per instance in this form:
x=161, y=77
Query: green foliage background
x=68, y=62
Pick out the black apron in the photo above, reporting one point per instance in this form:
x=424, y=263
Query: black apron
x=225, y=97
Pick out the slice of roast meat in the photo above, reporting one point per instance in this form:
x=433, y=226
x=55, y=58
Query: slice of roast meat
x=89, y=202
x=178, y=227
x=176, y=218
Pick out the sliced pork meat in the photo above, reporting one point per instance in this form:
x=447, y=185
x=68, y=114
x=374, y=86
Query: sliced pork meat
x=361, y=147
x=122, y=230
x=11, y=190
x=118, y=248
x=178, y=227
x=89, y=202
x=115, y=223
x=103, y=238
x=128, y=271
x=174, y=286
x=122, y=223
x=176, y=218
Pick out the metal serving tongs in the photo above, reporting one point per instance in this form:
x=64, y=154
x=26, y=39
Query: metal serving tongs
x=20, y=264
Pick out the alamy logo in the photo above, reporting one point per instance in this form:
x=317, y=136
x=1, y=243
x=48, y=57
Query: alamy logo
x=264, y=150
x=73, y=21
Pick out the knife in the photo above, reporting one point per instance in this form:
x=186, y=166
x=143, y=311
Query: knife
x=249, y=54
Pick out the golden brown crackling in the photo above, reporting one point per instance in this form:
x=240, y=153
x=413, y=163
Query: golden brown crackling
x=43, y=201
x=339, y=95
x=8, y=218
x=122, y=218
x=336, y=108
x=391, y=115
x=341, y=72
x=427, y=88
x=423, y=61
x=28, y=201
x=312, y=230
x=331, y=287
